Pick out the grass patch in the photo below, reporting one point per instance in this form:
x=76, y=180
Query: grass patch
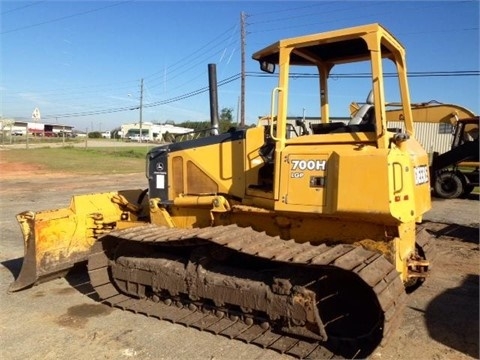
x=108, y=160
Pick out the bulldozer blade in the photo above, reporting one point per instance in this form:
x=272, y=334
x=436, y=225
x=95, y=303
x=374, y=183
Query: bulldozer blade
x=56, y=240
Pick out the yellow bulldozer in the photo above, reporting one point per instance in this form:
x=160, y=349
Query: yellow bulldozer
x=305, y=243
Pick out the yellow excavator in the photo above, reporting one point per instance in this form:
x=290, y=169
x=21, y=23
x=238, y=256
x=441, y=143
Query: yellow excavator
x=426, y=112
x=305, y=243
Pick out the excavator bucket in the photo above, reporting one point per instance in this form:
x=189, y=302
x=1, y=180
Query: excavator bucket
x=56, y=240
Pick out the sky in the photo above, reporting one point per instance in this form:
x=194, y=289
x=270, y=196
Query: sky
x=81, y=62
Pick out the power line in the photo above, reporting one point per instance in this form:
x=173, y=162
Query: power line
x=192, y=54
x=258, y=74
x=82, y=89
x=199, y=60
x=194, y=92
x=21, y=7
x=66, y=17
x=289, y=18
x=148, y=105
x=411, y=74
x=201, y=55
x=290, y=9
x=361, y=5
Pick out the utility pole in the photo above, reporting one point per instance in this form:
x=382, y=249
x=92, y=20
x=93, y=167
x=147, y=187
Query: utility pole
x=242, y=79
x=141, y=108
x=238, y=110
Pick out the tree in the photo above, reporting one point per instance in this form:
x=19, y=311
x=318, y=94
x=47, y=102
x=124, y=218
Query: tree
x=195, y=125
x=115, y=134
x=226, y=114
x=95, y=135
x=225, y=119
x=225, y=122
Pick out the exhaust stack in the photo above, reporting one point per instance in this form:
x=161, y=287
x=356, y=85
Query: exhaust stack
x=212, y=84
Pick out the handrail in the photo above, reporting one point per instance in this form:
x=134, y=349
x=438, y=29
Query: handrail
x=274, y=92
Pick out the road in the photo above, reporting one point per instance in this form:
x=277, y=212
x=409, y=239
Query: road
x=60, y=319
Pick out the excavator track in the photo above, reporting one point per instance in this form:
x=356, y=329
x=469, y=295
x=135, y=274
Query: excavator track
x=371, y=269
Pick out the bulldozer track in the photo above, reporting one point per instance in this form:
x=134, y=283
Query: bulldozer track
x=373, y=268
x=426, y=242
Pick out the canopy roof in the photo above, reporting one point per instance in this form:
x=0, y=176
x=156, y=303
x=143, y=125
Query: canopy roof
x=334, y=47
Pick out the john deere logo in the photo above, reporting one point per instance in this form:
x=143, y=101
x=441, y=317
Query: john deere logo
x=159, y=166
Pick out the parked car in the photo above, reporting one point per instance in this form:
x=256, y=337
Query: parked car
x=136, y=137
x=67, y=134
x=17, y=133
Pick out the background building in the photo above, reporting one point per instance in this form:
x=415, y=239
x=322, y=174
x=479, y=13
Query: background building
x=150, y=131
x=19, y=128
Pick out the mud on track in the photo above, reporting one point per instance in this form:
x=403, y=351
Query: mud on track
x=61, y=319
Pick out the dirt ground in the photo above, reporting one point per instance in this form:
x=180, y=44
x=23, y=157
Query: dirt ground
x=61, y=320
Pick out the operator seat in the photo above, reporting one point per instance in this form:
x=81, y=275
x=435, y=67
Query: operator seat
x=267, y=153
x=365, y=114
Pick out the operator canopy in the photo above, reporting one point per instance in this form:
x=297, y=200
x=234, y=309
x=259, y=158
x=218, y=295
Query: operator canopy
x=333, y=47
